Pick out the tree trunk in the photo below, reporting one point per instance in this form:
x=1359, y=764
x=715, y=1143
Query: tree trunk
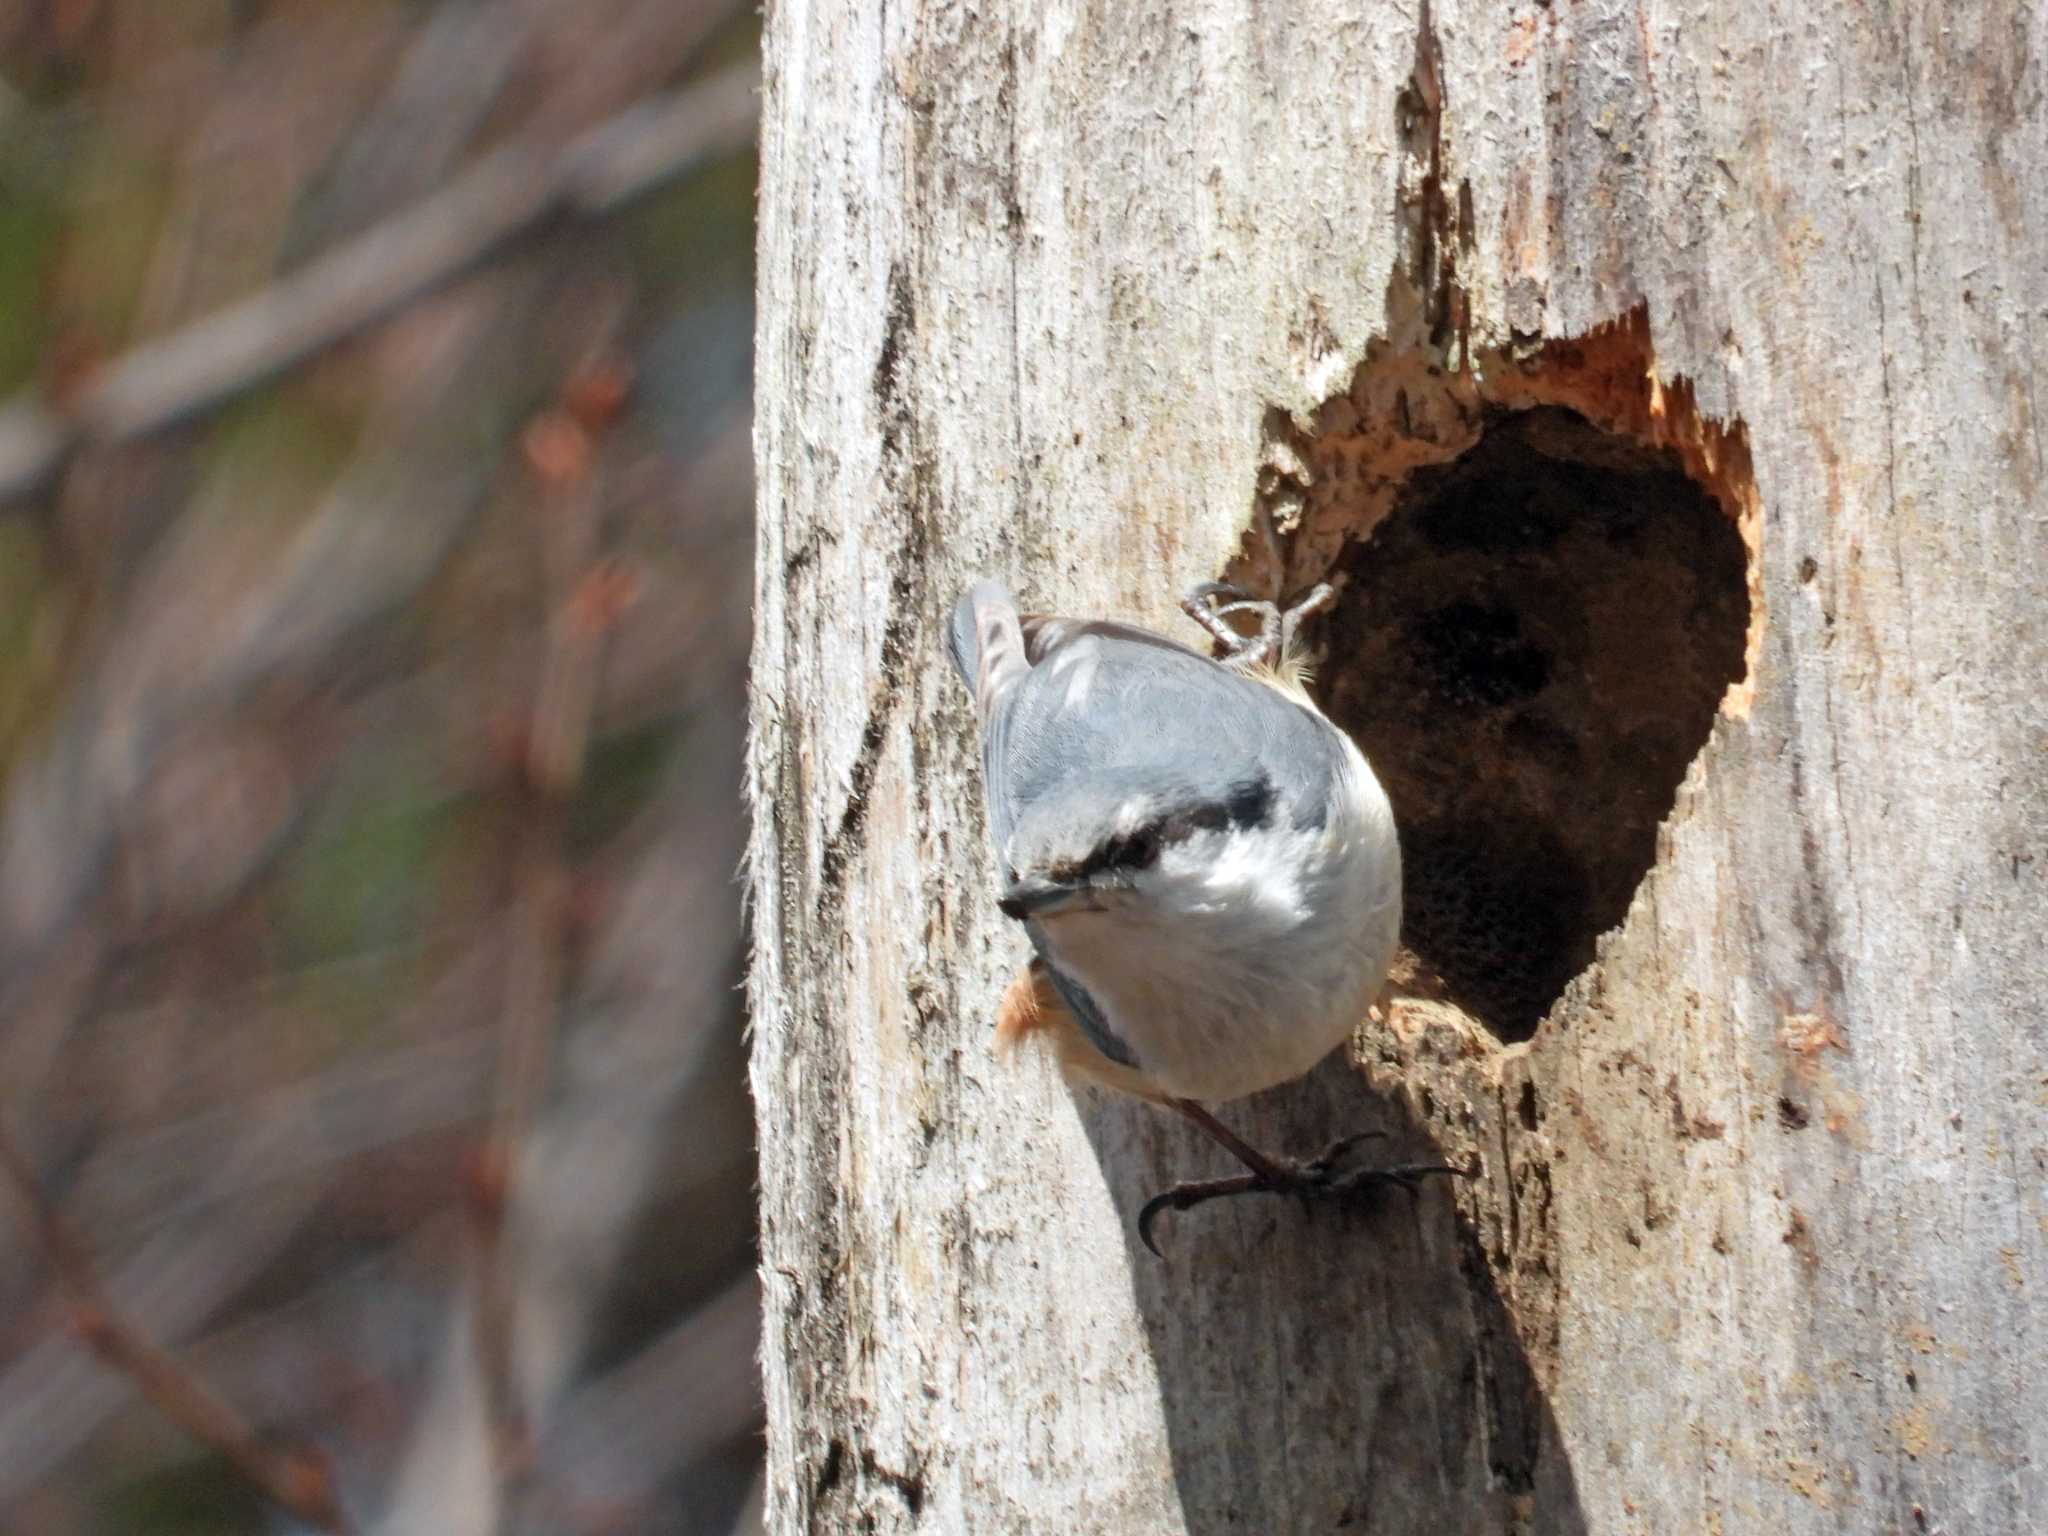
x=1660, y=381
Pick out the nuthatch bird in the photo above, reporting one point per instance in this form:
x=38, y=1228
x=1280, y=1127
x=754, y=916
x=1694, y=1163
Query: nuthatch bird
x=1205, y=866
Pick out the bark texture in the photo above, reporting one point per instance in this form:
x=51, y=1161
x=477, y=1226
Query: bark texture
x=1108, y=300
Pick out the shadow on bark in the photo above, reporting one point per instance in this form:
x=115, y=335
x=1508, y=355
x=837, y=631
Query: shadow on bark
x=1333, y=1368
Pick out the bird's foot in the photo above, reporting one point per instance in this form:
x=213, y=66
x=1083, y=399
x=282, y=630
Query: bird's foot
x=1211, y=604
x=1324, y=1177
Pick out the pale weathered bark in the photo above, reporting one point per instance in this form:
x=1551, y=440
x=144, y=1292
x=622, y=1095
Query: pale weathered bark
x=1080, y=296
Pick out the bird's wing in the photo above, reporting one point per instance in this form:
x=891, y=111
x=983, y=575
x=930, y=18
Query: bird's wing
x=1074, y=708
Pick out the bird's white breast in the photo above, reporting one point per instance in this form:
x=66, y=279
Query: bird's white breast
x=1250, y=954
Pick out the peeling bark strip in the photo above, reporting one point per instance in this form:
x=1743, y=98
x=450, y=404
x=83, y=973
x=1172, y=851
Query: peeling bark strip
x=1664, y=385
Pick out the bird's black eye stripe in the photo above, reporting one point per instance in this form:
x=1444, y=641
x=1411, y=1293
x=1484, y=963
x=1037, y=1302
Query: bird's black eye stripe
x=1246, y=806
x=1250, y=804
x=1138, y=851
x=1133, y=850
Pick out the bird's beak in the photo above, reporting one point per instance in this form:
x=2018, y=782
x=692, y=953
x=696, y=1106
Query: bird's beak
x=1034, y=896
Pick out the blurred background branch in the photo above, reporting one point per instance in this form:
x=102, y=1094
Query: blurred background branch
x=294, y=1480
x=371, y=677
x=512, y=192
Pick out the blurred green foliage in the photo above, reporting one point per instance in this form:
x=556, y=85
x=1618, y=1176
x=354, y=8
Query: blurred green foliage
x=30, y=227
x=30, y=614
x=200, y=1497
x=364, y=878
x=620, y=778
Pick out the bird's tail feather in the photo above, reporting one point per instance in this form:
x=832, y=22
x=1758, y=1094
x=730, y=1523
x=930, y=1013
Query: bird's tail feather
x=987, y=643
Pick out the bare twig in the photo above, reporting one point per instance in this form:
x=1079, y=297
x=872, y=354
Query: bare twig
x=453, y=75
x=218, y=1196
x=583, y=596
x=297, y=1480
x=649, y=999
x=510, y=192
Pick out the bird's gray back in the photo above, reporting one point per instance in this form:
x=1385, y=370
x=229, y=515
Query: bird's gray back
x=1106, y=710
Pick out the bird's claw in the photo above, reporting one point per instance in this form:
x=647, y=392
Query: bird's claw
x=1318, y=1178
x=1191, y=1193
x=1277, y=625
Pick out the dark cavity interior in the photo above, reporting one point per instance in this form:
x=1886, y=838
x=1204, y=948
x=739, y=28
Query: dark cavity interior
x=1532, y=648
